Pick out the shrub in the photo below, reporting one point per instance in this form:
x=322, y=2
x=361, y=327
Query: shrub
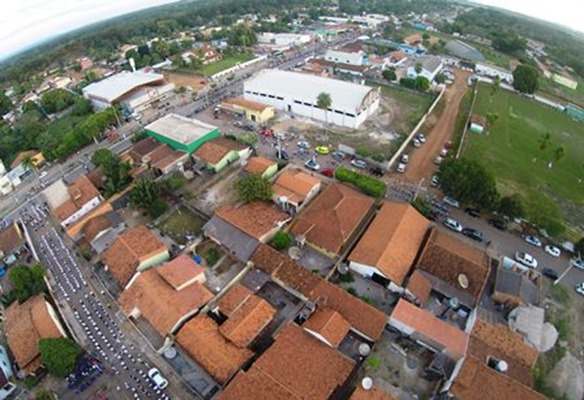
x=353, y=291
x=347, y=278
x=212, y=256
x=368, y=185
x=281, y=240
x=373, y=362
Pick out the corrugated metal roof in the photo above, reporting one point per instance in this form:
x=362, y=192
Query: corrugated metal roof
x=112, y=88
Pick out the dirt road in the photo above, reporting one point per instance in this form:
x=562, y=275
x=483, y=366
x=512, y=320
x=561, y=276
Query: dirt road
x=421, y=163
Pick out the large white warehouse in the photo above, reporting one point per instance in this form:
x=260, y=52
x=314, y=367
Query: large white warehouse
x=297, y=93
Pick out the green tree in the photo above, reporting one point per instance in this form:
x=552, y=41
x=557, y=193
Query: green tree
x=440, y=78
x=281, y=240
x=495, y=85
x=422, y=83
x=59, y=355
x=525, y=79
x=579, y=247
x=29, y=162
x=512, y=206
x=253, y=187
x=29, y=106
x=44, y=395
x=56, y=100
x=389, y=74
x=323, y=101
x=5, y=103
x=469, y=182
x=26, y=281
x=146, y=194
x=491, y=119
x=544, y=140
x=559, y=153
x=81, y=107
x=117, y=173
x=425, y=36
x=418, y=68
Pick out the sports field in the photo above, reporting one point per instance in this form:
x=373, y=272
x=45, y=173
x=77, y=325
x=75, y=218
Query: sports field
x=516, y=150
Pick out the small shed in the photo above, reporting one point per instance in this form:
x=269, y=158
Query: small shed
x=477, y=123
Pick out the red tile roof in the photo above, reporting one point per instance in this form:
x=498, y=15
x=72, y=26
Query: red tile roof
x=422, y=322
x=215, y=150
x=364, y=318
x=10, y=239
x=201, y=339
x=258, y=165
x=95, y=226
x=248, y=321
x=256, y=385
x=332, y=217
x=181, y=272
x=420, y=286
x=81, y=191
x=231, y=300
x=392, y=241
x=295, y=185
x=370, y=394
x=329, y=324
x=256, y=219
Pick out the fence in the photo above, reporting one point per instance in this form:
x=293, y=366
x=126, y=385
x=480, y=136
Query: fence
x=237, y=67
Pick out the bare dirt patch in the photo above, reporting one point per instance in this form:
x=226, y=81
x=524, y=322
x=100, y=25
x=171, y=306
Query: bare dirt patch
x=182, y=79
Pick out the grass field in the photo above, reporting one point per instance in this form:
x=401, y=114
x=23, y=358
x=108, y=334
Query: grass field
x=512, y=150
x=180, y=222
x=575, y=96
x=223, y=64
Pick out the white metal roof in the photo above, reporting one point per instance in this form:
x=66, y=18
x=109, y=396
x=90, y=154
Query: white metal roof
x=112, y=88
x=179, y=128
x=345, y=96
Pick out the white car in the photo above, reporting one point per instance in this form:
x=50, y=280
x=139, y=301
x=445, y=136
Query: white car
x=43, y=174
x=552, y=250
x=453, y=224
x=416, y=143
x=451, y=202
x=312, y=165
x=580, y=288
x=578, y=263
x=359, y=164
x=405, y=158
x=303, y=144
x=438, y=160
x=443, y=152
x=158, y=379
x=533, y=240
x=435, y=182
x=526, y=259
x=401, y=168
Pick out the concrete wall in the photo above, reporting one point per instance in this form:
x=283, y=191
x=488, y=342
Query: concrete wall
x=154, y=260
x=87, y=207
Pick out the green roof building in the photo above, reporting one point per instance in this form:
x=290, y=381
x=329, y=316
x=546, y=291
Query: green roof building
x=182, y=133
x=575, y=112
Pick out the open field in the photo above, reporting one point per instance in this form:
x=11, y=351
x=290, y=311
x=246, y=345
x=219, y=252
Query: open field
x=190, y=80
x=575, y=96
x=223, y=64
x=513, y=150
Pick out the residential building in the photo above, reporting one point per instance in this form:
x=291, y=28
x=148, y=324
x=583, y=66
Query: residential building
x=418, y=288
x=11, y=242
x=204, y=53
x=328, y=326
x=167, y=295
x=389, y=246
x=181, y=133
x=294, y=189
x=262, y=166
x=135, y=250
x=350, y=53
x=332, y=218
x=27, y=323
x=430, y=67
x=370, y=393
x=221, y=152
x=284, y=39
x=241, y=229
x=251, y=110
x=37, y=158
x=70, y=203
x=515, y=287
x=297, y=93
x=7, y=388
x=414, y=39
x=492, y=71
x=101, y=230
x=148, y=154
x=396, y=58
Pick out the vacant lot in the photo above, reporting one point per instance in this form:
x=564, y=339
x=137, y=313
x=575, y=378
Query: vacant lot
x=180, y=223
x=224, y=63
x=546, y=172
x=190, y=80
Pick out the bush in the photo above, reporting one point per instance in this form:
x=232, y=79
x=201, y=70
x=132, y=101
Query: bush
x=31, y=381
x=373, y=362
x=347, y=278
x=423, y=207
x=175, y=182
x=353, y=291
x=212, y=256
x=281, y=240
x=362, y=152
x=368, y=185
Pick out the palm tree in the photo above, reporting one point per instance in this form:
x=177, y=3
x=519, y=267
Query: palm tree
x=544, y=141
x=29, y=162
x=492, y=118
x=418, y=68
x=559, y=153
x=496, y=84
x=323, y=101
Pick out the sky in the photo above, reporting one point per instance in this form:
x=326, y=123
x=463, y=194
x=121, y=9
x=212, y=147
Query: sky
x=24, y=23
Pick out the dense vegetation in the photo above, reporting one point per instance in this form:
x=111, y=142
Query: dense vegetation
x=59, y=355
x=368, y=185
x=26, y=282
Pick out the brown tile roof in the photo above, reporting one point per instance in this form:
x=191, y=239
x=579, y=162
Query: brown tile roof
x=256, y=385
x=476, y=380
x=25, y=324
x=267, y=258
x=332, y=217
x=447, y=257
x=392, y=241
x=258, y=165
x=142, y=148
x=295, y=185
x=214, y=150
x=500, y=342
x=362, y=317
x=97, y=177
x=352, y=47
x=256, y=219
x=81, y=191
x=248, y=321
x=371, y=394
x=329, y=324
x=452, y=339
x=413, y=39
x=95, y=226
x=201, y=339
x=10, y=239
x=181, y=272
x=233, y=299
x=159, y=301
x=129, y=250
x=250, y=105
x=398, y=55
x=420, y=286
x=304, y=365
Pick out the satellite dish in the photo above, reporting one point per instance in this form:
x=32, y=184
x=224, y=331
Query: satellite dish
x=294, y=252
x=170, y=353
x=367, y=383
x=454, y=303
x=343, y=269
x=364, y=349
x=463, y=281
x=502, y=366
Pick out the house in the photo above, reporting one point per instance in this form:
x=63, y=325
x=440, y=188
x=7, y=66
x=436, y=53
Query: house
x=418, y=288
x=350, y=53
x=332, y=218
x=413, y=39
x=6, y=386
x=430, y=67
x=455, y=268
x=181, y=133
x=70, y=203
x=101, y=230
x=125, y=48
x=477, y=123
x=429, y=331
x=167, y=295
x=207, y=54
x=203, y=342
x=221, y=152
x=37, y=157
x=296, y=366
x=390, y=244
x=516, y=287
x=261, y=166
x=328, y=326
x=492, y=71
x=11, y=241
x=241, y=229
x=294, y=189
x=151, y=154
x=135, y=250
x=86, y=63
x=396, y=58
x=251, y=110
x=27, y=323
x=370, y=393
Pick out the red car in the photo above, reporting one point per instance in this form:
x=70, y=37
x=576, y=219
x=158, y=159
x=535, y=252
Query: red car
x=328, y=172
x=267, y=132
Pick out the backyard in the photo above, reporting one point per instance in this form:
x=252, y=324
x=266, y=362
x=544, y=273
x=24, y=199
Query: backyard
x=180, y=223
x=533, y=150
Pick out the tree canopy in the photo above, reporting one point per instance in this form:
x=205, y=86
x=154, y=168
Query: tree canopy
x=281, y=240
x=59, y=355
x=512, y=206
x=389, y=74
x=579, y=247
x=253, y=187
x=26, y=281
x=525, y=79
x=146, y=195
x=117, y=173
x=5, y=103
x=56, y=100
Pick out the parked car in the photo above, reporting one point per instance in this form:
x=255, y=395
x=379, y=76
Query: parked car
x=550, y=273
x=443, y=153
x=453, y=224
x=552, y=250
x=376, y=171
x=282, y=155
x=312, y=165
x=580, y=288
x=328, y=172
x=264, y=132
x=322, y=150
x=359, y=164
x=451, y=202
x=158, y=379
x=435, y=182
x=401, y=168
x=474, y=234
x=421, y=138
x=498, y=224
x=280, y=136
x=338, y=155
x=473, y=212
x=438, y=160
x=578, y=263
x=532, y=240
x=526, y=259
x=303, y=144
x=416, y=143
x=405, y=158
x=43, y=174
